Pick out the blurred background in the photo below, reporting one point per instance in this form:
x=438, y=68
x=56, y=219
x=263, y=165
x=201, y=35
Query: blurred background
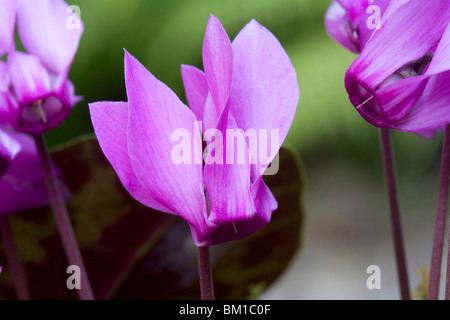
x=347, y=224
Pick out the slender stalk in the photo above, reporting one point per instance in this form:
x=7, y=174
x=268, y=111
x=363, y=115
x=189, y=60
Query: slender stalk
x=389, y=172
x=447, y=284
x=63, y=223
x=204, y=268
x=439, y=228
x=18, y=273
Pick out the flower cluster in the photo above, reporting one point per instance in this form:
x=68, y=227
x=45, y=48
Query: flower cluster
x=35, y=93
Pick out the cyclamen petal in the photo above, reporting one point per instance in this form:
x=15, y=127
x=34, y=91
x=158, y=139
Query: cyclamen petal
x=440, y=61
x=340, y=27
x=351, y=23
x=265, y=90
x=432, y=110
x=9, y=147
x=23, y=185
x=217, y=62
x=7, y=22
x=227, y=179
x=110, y=121
x=196, y=88
x=154, y=114
x=35, y=101
x=7, y=112
x=380, y=57
x=29, y=78
x=50, y=30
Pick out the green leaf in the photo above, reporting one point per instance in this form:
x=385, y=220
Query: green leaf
x=133, y=252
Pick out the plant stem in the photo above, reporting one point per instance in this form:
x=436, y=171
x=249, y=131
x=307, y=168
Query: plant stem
x=204, y=268
x=390, y=177
x=63, y=223
x=439, y=228
x=18, y=273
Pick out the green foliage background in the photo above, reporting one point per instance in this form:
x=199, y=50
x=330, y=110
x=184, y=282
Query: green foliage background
x=163, y=34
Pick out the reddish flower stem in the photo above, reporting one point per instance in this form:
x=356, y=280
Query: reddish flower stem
x=63, y=223
x=206, y=279
x=439, y=228
x=18, y=273
x=390, y=177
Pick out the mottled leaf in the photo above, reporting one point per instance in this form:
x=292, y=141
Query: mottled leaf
x=111, y=228
x=240, y=268
x=133, y=252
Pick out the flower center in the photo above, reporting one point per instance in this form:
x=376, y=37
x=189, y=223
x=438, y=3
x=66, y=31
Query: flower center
x=416, y=67
x=411, y=69
x=41, y=110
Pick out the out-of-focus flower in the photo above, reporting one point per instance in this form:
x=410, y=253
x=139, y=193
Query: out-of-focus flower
x=7, y=23
x=247, y=84
x=22, y=181
x=8, y=150
x=346, y=22
x=37, y=95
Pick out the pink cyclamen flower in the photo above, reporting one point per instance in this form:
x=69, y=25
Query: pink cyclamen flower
x=247, y=84
x=346, y=21
x=401, y=78
x=22, y=182
x=36, y=95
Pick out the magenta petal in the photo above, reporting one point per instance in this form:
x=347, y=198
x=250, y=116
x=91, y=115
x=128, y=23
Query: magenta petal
x=354, y=8
x=4, y=77
x=380, y=57
x=29, y=78
x=346, y=21
x=397, y=99
x=264, y=203
x=217, y=62
x=265, y=90
x=211, y=116
x=157, y=123
x=23, y=186
x=227, y=176
x=441, y=60
x=432, y=110
x=49, y=30
x=9, y=108
x=7, y=22
x=9, y=147
x=196, y=89
x=264, y=200
x=110, y=121
x=339, y=27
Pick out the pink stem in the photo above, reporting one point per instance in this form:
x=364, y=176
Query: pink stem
x=206, y=280
x=389, y=172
